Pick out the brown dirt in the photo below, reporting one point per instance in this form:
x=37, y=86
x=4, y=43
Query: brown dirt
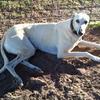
x=63, y=79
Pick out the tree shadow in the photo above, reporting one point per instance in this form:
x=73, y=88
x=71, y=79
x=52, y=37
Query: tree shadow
x=48, y=63
x=95, y=31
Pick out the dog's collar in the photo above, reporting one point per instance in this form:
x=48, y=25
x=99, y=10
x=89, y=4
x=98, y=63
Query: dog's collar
x=72, y=27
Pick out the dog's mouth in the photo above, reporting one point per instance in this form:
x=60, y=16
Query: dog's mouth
x=80, y=33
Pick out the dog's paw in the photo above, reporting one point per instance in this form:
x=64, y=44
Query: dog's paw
x=38, y=70
x=19, y=82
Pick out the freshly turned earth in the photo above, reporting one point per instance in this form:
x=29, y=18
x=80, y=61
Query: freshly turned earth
x=63, y=79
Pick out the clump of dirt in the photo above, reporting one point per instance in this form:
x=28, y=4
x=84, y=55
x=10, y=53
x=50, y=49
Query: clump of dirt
x=63, y=79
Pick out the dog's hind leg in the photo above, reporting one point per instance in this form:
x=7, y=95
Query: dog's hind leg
x=8, y=63
x=24, y=50
x=15, y=75
x=2, y=69
x=3, y=55
x=10, y=67
x=32, y=67
x=20, y=59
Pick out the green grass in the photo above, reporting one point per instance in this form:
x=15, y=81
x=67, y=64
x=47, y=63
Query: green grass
x=94, y=24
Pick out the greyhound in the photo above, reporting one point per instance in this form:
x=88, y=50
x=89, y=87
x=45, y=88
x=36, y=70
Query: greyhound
x=55, y=38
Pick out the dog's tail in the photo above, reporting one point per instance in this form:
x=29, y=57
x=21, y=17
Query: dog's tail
x=3, y=55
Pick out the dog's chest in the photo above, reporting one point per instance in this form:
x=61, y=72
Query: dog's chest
x=68, y=42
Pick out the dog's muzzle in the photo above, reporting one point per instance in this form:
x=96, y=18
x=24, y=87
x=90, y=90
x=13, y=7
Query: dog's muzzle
x=80, y=32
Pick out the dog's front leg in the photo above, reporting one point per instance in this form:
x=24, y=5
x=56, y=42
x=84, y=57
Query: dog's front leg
x=90, y=44
x=81, y=54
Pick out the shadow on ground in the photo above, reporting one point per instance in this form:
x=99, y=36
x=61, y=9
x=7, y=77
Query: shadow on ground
x=48, y=63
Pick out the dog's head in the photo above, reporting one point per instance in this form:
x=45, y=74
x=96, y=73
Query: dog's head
x=79, y=23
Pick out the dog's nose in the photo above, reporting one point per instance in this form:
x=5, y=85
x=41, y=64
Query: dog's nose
x=80, y=33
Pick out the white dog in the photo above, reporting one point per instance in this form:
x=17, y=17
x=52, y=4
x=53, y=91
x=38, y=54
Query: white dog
x=55, y=38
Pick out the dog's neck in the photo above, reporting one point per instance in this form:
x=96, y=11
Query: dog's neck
x=72, y=27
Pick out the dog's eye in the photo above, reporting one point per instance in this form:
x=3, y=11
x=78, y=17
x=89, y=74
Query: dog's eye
x=77, y=21
x=85, y=22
